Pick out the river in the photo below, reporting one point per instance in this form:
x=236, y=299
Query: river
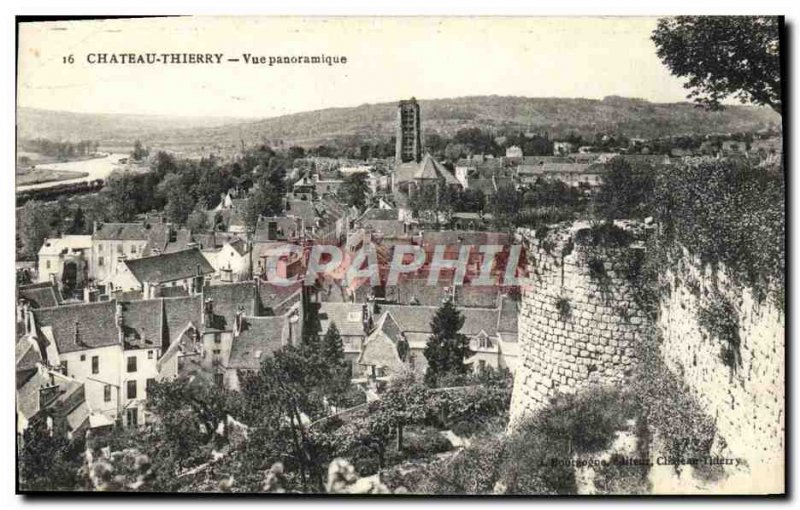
x=96, y=168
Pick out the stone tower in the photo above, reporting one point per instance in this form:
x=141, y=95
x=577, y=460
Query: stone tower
x=409, y=132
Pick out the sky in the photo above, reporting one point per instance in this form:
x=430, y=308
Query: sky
x=387, y=59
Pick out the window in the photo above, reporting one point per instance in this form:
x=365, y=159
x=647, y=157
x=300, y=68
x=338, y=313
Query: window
x=47, y=264
x=132, y=417
x=219, y=379
x=64, y=367
x=133, y=249
x=482, y=365
x=216, y=352
x=95, y=364
x=100, y=261
x=149, y=384
x=119, y=249
x=149, y=354
x=131, y=389
x=217, y=338
x=131, y=363
x=83, y=357
x=106, y=393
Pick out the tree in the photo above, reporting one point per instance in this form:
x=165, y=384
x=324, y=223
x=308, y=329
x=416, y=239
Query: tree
x=33, y=227
x=179, y=205
x=139, y=151
x=197, y=221
x=506, y=205
x=48, y=460
x=722, y=56
x=625, y=193
x=447, y=348
x=332, y=349
x=78, y=225
x=354, y=190
x=163, y=164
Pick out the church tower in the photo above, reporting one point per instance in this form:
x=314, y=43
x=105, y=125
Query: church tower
x=409, y=132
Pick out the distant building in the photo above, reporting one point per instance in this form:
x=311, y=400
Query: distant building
x=563, y=148
x=514, y=152
x=409, y=132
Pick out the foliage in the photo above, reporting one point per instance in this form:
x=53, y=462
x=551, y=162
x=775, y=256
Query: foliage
x=617, y=477
x=139, y=151
x=667, y=406
x=332, y=351
x=59, y=149
x=720, y=319
x=33, y=227
x=625, y=193
x=729, y=213
x=446, y=349
x=604, y=235
x=197, y=221
x=722, y=56
x=564, y=308
x=475, y=470
x=354, y=190
x=48, y=460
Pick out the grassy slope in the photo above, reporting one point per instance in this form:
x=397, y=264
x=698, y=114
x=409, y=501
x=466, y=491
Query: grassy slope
x=555, y=115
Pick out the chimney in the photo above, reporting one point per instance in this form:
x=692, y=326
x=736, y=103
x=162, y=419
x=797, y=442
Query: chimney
x=77, y=335
x=238, y=321
x=366, y=318
x=47, y=395
x=119, y=319
x=208, y=312
x=294, y=318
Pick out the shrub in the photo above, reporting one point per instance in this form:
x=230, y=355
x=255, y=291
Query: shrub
x=720, y=320
x=425, y=441
x=668, y=407
x=474, y=470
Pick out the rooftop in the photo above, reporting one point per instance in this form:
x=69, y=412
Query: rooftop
x=169, y=267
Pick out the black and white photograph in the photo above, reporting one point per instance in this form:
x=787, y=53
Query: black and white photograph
x=400, y=255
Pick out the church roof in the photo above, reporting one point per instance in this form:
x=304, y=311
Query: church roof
x=426, y=169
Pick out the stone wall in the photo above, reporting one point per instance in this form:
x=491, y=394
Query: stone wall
x=577, y=325
x=746, y=400
x=576, y=330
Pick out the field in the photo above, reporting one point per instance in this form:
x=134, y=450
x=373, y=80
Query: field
x=40, y=175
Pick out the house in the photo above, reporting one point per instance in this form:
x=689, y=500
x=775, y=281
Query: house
x=326, y=187
x=386, y=350
x=514, y=152
x=232, y=262
x=377, y=338
x=571, y=174
x=37, y=295
x=66, y=260
x=116, y=349
x=185, y=269
x=563, y=148
x=46, y=394
x=115, y=242
x=734, y=147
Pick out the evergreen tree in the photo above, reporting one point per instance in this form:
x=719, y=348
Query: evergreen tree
x=332, y=349
x=78, y=225
x=354, y=190
x=447, y=348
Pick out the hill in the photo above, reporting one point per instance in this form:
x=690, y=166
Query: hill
x=558, y=116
